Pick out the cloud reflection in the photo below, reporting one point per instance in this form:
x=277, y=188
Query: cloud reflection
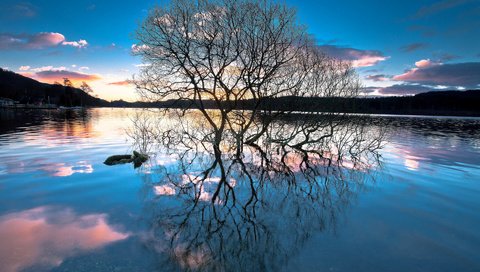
x=63, y=170
x=53, y=169
x=46, y=236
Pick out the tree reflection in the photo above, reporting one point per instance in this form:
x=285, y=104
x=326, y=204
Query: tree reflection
x=251, y=180
x=249, y=199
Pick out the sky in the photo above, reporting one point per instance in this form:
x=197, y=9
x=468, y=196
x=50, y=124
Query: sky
x=398, y=47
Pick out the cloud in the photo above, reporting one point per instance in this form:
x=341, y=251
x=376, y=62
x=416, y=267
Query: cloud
x=56, y=75
x=52, y=74
x=42, y=40
x=413, y=47
x=404, y=89
x=48, y=68
x=142, y=65
x=439, y=7
x=121, y=83
x=379, y=77
x=23, y=10
x=83, y=68
x=30, y=41
x=445, y=56
x=424, y=63
x=358, y=58
x=24, y=68
x=456, y=74
x=79, y=44
x=46, y=236
x=139, y=48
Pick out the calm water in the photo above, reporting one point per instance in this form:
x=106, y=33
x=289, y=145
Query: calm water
x=62, y=209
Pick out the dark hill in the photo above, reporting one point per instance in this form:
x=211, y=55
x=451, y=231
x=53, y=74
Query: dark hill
x=459, y=103
x=27, y=90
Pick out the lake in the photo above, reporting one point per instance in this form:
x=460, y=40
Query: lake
x=61, y=209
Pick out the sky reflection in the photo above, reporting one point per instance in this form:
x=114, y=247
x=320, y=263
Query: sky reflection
x=46, y=236
x=404, y=211
x=15, y=165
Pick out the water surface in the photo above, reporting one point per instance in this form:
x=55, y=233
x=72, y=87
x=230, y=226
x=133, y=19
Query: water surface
x=62, y=209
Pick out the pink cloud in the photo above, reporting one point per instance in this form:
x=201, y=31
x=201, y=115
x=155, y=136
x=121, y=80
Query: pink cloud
x=121, y=83
x=377, y=77
x=358, y=57
x=47, y=39
x=24, y=68
x=46, y=236
x=40, y=40
x=366, y=61
x=465, y=75
x=51, y=74
x=57, y=75
x=425, y=63
x=30, y=41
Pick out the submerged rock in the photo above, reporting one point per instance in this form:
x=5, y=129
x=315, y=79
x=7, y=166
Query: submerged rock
x=118, y=159
x=137, y=158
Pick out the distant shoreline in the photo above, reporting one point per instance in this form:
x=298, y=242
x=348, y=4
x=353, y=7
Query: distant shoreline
x=18, y=91
x=291, y=113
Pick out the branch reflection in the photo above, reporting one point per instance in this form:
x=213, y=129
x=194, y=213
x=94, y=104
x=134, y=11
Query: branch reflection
x=246, y=194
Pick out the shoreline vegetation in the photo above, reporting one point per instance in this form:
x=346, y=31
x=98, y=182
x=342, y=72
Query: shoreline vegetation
x=19, y=92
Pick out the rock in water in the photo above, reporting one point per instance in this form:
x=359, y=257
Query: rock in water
x=118, y=159
x=137, y=158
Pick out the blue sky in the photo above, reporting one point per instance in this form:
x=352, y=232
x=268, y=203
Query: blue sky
x=398, y=47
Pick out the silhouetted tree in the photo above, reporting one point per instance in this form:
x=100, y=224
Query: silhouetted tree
x=227, y=51
x=86, y=88
x=67, y=82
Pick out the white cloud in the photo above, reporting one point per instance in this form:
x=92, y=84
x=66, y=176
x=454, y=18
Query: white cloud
x=24, y=68
x=48, y=68
x=139, y=48
x=77, y=44
x=142, y=65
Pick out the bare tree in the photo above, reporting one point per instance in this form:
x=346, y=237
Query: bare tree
x=227, y=51
x=86, y=88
